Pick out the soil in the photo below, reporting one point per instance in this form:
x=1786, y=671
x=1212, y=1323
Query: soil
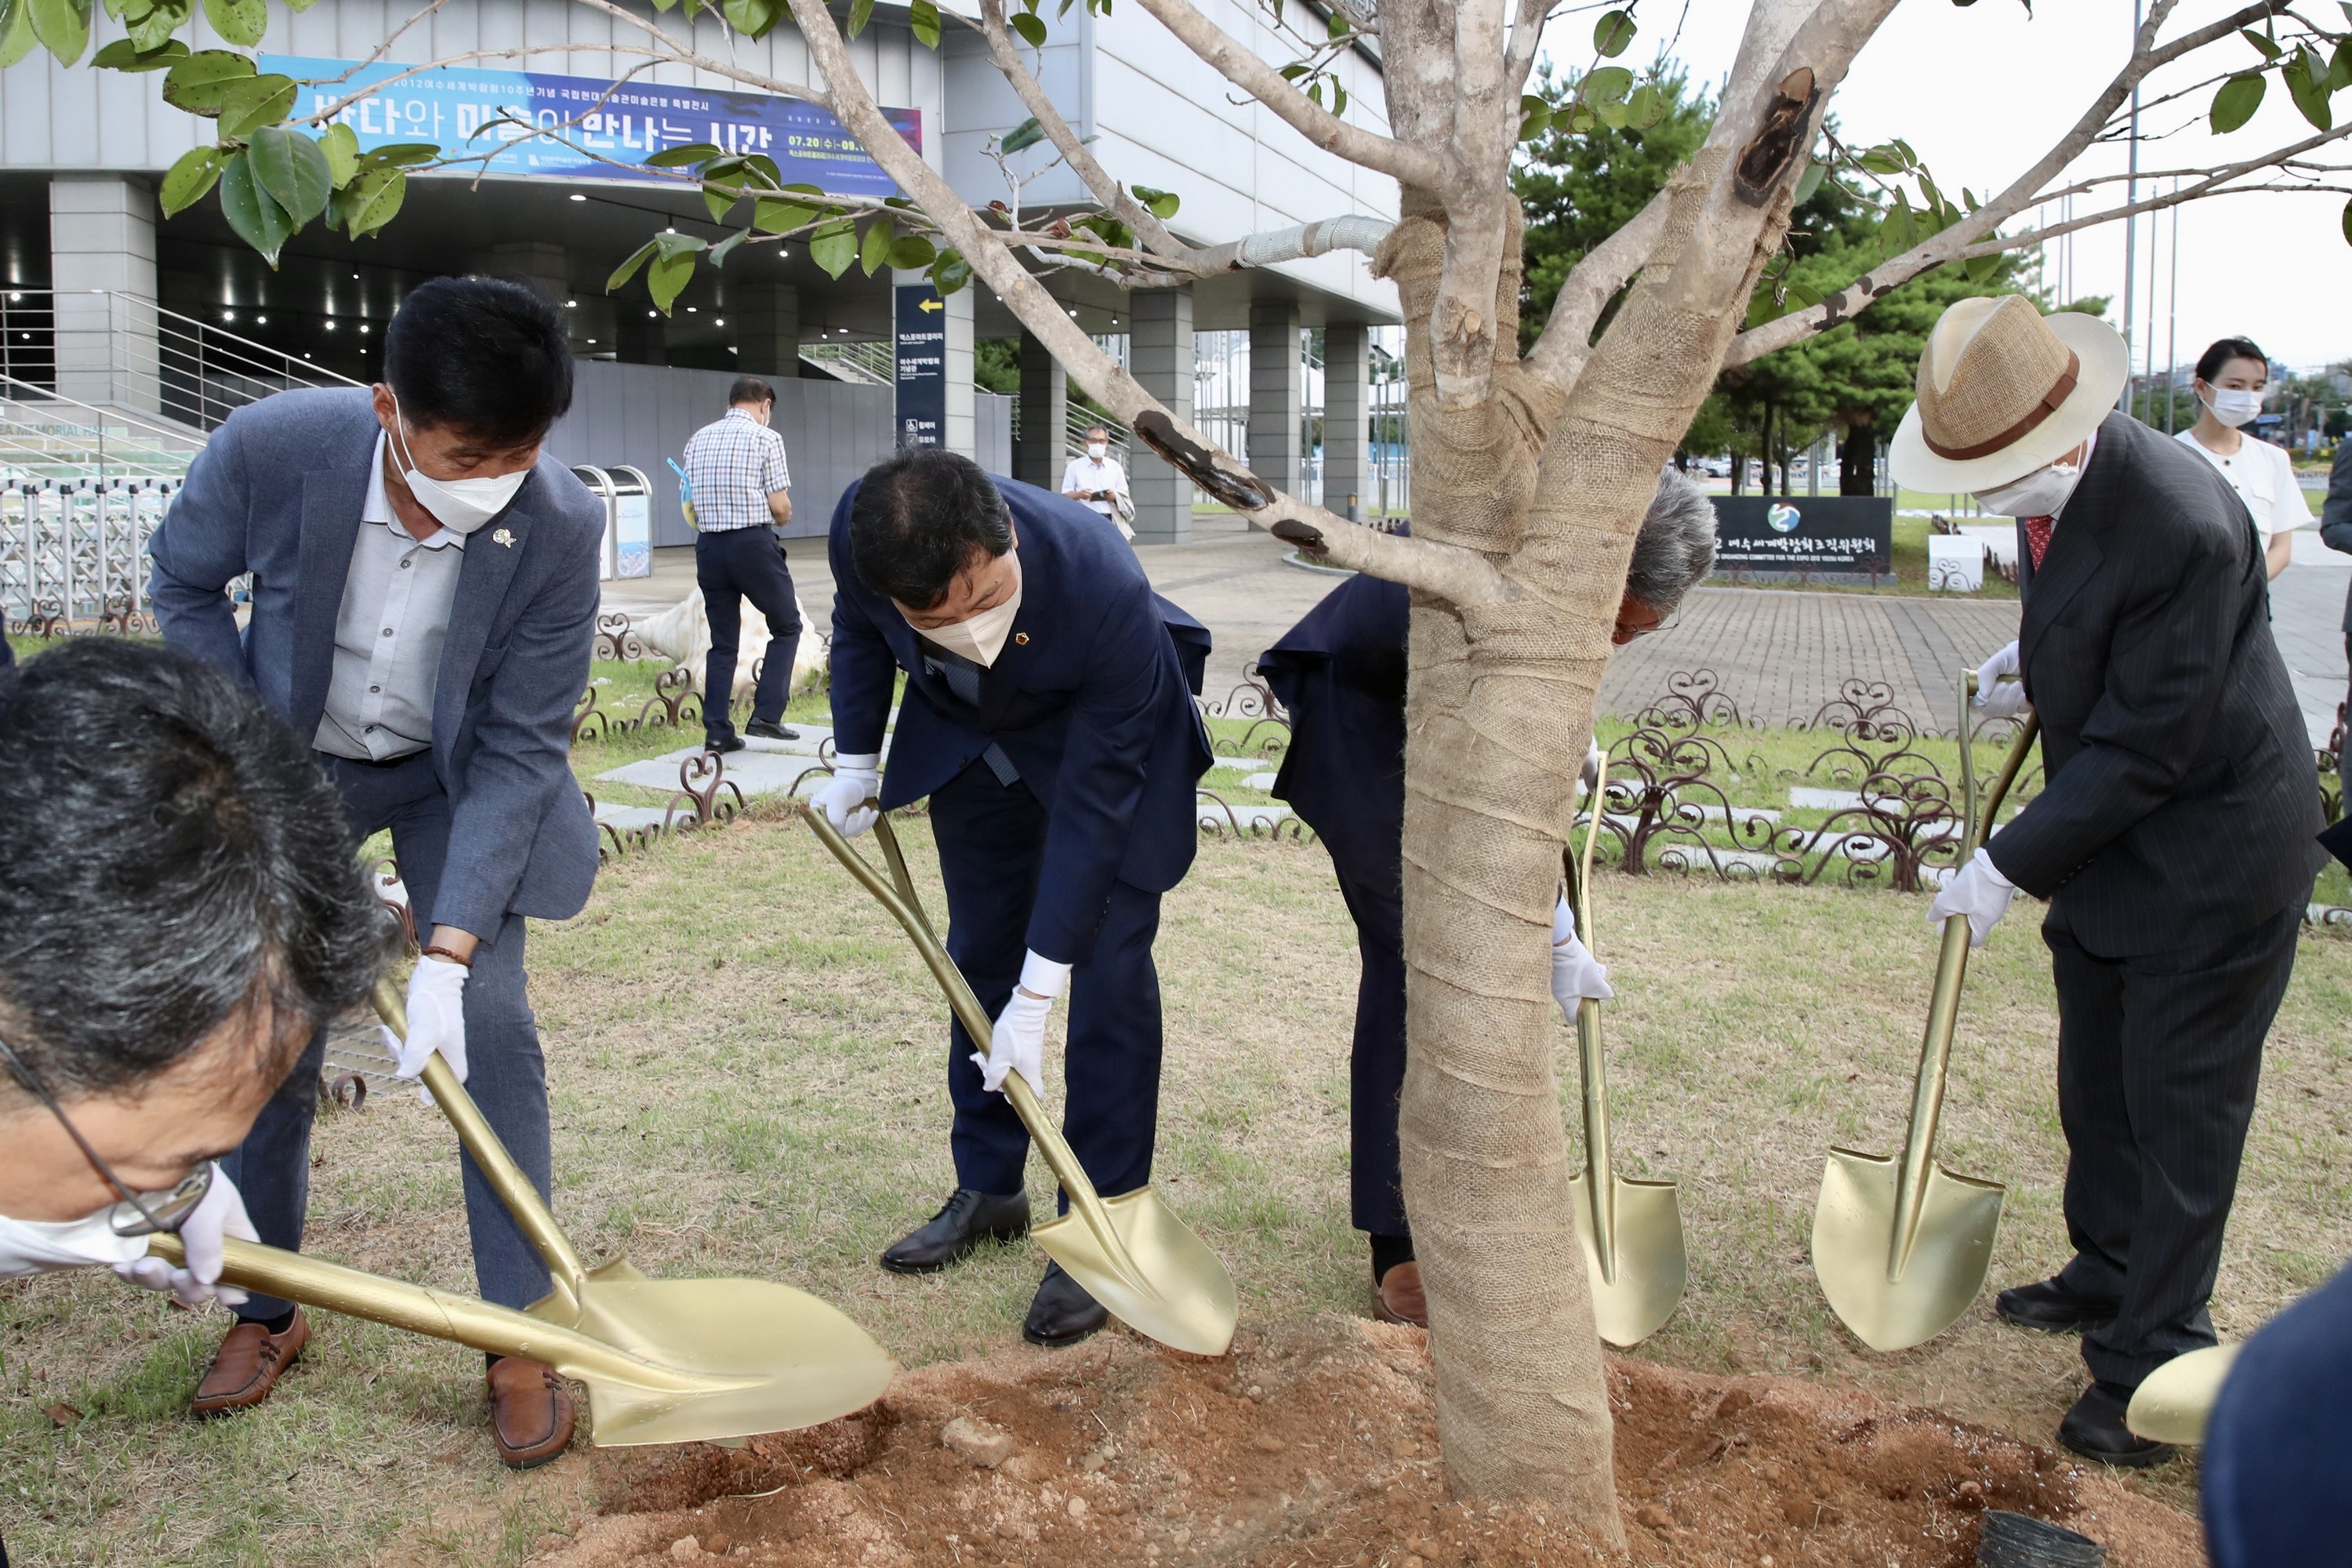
x=1315, y=1443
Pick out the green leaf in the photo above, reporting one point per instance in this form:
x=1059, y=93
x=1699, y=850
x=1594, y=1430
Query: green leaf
x=1339, y=28
x=247, y=106
x=752, y=18
x=373, y=200
x=1809, y=182
x=1797, y=297
x=1903, y=150
x=683, y=157
x=1900, y=231
x=950, y=272
x=16, y=39
x=291, y=168
x=875, y=249
x=123, y=55
x=666, y=279
x=719, y=201
x=2305, y=80
x=912, y=253
x=1608, y=84
x=773, y=215
x=62, y=27
x=1534, y=125
x=834, y=247
x=672, y=244
x=1161, y=205
x=628, y=269
x=1031, y=28
x=1881, y=161
x=1613, y=35
x=1293, y=72
x=151, y=31
x=2270, y=51
x=1024, y=136
x=1338, y=97
x=2339, y=70
x=402, y=153
x=860, y=13
x=923, y=21
x=1647, y=106
x=2348, y=222
x=720, y=251
x=764, y=167
x=2236, y=101
x=240, y=22
x=198, y=83
x=1981, y=269
x=1315, y=92
x=258, y=221
x=189, y=179
x=340, y=143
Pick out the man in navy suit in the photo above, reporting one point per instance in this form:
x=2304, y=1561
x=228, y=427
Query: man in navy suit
x=423, y=603
x=1049, y=717
x=1340, y=674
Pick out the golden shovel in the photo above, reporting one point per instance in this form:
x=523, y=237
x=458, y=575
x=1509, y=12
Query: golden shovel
x=665, y=1361
x=2173, y=1403
x=1631, y=1230
x=1130, y=1252
x=1901, y=1248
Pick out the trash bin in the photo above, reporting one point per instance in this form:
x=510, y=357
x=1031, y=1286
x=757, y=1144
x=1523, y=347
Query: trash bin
x=633, y=522
x=1954, y=563
x=599, y=485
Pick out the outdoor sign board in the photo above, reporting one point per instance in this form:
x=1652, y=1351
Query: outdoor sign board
x=633, y=532
x=1812, y=539
x=584, y=127
x=922, y=365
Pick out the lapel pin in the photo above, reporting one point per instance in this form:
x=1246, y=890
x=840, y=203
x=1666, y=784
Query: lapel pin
x=1022, y=638
x=503, y=536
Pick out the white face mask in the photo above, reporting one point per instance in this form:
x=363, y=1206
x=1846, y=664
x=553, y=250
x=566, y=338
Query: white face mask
x=461, y=506
x=980, y=637
x=2234, y=409
x=2039, y=494
x=36, y=1247
x=1097, y=451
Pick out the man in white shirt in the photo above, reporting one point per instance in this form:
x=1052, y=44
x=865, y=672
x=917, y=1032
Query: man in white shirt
x=743, y=493
x=1099, y=483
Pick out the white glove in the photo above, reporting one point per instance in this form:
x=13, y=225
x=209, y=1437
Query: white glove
x=1980, y=892
x=1996, y=697
x=436, y=1021
x=856, y=780
x=1575, y=973
x=1591, y=773
x=1018, y=1042
x=222, y=1212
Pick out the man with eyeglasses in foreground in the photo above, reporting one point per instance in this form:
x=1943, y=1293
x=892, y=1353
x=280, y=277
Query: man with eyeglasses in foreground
x=180, y=906
x=1340, y=672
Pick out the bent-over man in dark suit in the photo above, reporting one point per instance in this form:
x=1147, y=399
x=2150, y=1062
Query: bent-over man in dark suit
x=423, y=603
x=1340, y=673
x=1049, y=717
x=2173, y=838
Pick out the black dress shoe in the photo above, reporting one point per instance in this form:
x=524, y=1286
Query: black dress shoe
x=2094, y=1428
x=968, y=1218
x=1062, y=1313
x=762, y=730
x=723, y=743
x=2053, y=1309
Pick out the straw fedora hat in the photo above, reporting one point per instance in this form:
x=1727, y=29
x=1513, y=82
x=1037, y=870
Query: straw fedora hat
x=2004, y=390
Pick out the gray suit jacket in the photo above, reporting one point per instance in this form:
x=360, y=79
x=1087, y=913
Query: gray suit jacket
x=2335, y=513
x=2182, y=800
x=278, y=492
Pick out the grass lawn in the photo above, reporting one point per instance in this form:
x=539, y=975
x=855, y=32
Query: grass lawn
x=745, y=1058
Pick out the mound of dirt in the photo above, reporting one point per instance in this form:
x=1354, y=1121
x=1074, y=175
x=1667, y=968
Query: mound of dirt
x=1316, y=1443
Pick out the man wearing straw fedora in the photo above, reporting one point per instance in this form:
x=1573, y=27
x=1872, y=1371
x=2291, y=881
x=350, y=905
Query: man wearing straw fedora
x=2173, y=837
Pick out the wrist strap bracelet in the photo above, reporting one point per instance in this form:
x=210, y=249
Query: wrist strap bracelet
x=438, y=950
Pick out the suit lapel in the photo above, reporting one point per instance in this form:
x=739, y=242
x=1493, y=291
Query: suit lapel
x=2076, y=547
x=332, y=500
x=489, y=567
x=1005, y=677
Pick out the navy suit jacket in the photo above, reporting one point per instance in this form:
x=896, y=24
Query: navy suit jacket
x=2277, y=1468
x=1340, y=671
x=1091, y=699
x=2182, y=799
x=278, y=492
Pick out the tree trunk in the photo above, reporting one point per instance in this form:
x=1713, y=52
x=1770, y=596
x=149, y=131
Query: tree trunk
x=1858, y=460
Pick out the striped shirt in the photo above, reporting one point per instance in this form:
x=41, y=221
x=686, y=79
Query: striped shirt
x=733, y=465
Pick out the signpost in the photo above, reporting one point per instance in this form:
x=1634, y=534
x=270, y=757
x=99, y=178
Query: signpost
x=922, y=365
x=1805, y=538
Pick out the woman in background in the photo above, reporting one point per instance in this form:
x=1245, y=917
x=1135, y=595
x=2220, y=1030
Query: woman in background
x=2231, y=377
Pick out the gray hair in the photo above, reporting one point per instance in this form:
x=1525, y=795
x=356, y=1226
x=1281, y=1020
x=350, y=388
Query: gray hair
x=1675, y=549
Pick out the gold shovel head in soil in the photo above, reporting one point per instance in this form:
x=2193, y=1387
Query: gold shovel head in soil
x=1650, y=1262
x=2176, y=1400
x=1198, y=1318
x=1950, y=1252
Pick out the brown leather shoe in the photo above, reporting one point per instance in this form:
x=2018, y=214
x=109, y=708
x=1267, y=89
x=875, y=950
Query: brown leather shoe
x=1397, y=1298
x=530, y=1412
x=247, y=1366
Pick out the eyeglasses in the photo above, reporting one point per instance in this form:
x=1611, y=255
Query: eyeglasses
x=137, y=1214
x=1623, y=634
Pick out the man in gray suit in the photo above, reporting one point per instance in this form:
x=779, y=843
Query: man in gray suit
x=423, y=603
x=2173, y=839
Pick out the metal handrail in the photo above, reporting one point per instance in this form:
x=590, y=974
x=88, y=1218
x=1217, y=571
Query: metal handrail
x=49, y=437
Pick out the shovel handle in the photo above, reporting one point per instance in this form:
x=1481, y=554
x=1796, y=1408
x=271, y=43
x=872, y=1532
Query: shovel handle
x=498, y=1167
x=909, y=912
x=1599, y=1169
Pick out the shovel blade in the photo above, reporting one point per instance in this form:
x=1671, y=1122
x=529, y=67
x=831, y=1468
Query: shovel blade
x=2177, y=1399
x=1854, y=1232
x=762, y=1357
x=1180, y=1295
x=1651, y=1263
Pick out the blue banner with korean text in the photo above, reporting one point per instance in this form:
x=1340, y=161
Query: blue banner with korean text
x=581, y=128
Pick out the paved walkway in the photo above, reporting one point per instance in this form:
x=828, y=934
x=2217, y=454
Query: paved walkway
x=1779, y=652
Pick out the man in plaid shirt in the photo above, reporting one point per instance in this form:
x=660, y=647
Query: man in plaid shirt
x=741, y=492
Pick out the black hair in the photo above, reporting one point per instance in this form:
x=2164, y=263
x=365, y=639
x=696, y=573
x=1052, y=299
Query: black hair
x=2209, y=362
x=479, y=355
x=169, y=857
x=750, y=389
x=920, y=515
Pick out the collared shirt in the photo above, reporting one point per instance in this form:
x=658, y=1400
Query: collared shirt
x=388, y=633
x=2263, y=477
x=1087, y=474
x=733, y=466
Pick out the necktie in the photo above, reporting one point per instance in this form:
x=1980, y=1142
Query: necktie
x=2037, y=538
x=963, y=678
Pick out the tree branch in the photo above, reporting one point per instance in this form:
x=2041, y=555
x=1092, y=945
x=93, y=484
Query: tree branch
x=1408, y=166
x=1115, y=197
x=1565, y=343
x=1527, y=37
